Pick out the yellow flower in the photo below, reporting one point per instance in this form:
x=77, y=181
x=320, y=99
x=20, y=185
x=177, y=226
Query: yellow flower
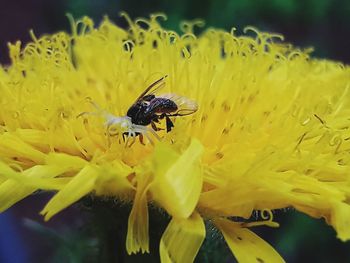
x=271, y=131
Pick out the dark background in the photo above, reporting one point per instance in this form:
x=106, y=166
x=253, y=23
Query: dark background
x=322, y=24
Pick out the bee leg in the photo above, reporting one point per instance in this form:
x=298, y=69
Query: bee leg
x=128, y=143
x=149, y=139
x=147, y=131
x=154, y=127
x=156, y=119
x=141, y=139
x=169, y=124
x=153, y=133
x=162, y=116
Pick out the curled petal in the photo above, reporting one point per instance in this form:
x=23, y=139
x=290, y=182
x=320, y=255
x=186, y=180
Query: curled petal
x=178, y=179
x=137, y=237
x=182, y=239
x=245, y=245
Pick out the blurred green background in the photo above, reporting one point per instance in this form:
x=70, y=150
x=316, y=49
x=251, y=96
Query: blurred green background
x=322, y=24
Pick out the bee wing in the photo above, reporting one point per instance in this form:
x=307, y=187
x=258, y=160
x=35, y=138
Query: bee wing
x=151, y=89
x=185, y=105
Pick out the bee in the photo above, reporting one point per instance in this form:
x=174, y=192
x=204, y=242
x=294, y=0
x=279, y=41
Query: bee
x=149, y=108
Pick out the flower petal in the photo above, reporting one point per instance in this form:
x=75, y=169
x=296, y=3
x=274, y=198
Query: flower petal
x=245, y=245
x=137, y=237
x=36, y=177
x=182, y=239
x=113, y=180
x=11, y=192
x=178, y=180
x=65, y=160
x=18, y=185
x=80, y=185
x=11, y=146
x=340, y=220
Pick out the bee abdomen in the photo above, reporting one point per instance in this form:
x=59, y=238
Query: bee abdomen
x=161, y=105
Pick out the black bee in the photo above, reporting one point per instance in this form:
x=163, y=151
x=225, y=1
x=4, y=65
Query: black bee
x=150, y=108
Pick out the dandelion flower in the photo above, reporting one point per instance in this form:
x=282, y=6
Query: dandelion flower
x=271, y=131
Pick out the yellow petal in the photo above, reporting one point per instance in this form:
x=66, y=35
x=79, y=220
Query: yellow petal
x=11, y=146
x=137, y=237
x=178, y=179
x=182, y=239
x=11, y=192
x=113, y=179
x=19, y=185
x=37, y=138
x=65, y=160
x=245, y=245
x=340, y=220
x=81, y=184
x=36, y=177
x=43, y=177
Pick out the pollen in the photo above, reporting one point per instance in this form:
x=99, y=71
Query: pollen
x=270, y=130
